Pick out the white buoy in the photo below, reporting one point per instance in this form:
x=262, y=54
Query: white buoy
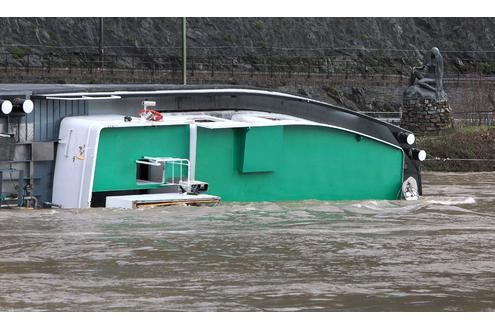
x=6, y=107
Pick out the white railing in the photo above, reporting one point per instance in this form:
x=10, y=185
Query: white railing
x=172, y=162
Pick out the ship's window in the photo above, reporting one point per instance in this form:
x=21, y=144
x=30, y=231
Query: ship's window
x=148, y=172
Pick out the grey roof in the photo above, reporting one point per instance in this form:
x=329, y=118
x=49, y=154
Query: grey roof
x=26, y=89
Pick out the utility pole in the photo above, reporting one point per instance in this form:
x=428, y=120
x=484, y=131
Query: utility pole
x=101, y=44
x=184, y=51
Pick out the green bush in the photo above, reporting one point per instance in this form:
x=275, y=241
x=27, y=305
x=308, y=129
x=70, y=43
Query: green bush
x=470, y=142
x=18, y=53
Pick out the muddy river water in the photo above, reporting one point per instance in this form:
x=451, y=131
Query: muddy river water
x=435, y=254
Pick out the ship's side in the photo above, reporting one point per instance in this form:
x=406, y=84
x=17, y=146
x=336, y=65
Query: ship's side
x=295, y=162
x=243, y=144
x=249, y=157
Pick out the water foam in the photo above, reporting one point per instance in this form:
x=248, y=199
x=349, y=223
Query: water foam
x=452, y=200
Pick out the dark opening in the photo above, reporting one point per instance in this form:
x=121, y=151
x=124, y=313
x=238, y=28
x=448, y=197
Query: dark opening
x=149, y=173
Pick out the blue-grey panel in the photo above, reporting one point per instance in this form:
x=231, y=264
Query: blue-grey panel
x=49, y=113
x=49, y=120
x=42, y=186
x=30, y=135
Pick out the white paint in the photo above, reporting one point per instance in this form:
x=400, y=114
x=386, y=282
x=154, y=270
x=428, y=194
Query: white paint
x=410, y=189
x=74, y=172
x=180, y=91
x=84, y=98
x=193, y=137
x=129, y=201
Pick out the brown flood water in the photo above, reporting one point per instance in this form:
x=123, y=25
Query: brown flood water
x=435, y=254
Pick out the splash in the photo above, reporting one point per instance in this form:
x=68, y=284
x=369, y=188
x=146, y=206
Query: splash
x=452, y=200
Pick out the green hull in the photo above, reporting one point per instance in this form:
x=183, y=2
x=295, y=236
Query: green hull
x=274, y=163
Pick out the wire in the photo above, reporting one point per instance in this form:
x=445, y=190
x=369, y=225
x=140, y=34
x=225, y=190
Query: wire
x=434, y=158
x=249, y=47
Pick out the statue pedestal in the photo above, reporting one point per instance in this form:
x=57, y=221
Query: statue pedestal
x=426, y=115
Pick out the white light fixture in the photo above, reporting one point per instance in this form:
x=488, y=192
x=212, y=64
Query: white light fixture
x=6, y=107
x=422, y=155
x=27, y=106
x=411, y=138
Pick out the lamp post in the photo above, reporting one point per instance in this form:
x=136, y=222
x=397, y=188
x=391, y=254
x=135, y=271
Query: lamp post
x=101, y=44
x=184, y=51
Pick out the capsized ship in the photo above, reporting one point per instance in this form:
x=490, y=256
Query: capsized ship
x=135, y=146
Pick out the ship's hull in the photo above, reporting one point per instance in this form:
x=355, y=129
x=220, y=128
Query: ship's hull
x=254, y=145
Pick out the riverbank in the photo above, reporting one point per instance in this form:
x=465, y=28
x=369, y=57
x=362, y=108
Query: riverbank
x=462, y=149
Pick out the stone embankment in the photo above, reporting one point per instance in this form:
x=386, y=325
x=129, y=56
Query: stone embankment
x=426, y=116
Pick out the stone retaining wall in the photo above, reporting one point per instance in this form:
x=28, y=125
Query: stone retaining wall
x=424, y=116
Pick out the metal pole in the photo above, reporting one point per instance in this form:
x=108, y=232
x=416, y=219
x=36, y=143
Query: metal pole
x=184, y=51
x=20, y=192
x=101, y=44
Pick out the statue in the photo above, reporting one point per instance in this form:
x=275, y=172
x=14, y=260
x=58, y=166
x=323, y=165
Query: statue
x=426, y=81
x=425, y=107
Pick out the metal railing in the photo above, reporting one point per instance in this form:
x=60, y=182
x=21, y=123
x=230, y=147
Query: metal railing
x=390, y=117
x=269, y=65
x=481, y=117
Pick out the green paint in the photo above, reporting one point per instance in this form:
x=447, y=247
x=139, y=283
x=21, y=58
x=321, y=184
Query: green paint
x=261, y=148
x=259, y=164
x=119, y=148
x=314, y=163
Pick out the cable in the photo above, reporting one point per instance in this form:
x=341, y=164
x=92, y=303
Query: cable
x=249, y=47
x=435, y=158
